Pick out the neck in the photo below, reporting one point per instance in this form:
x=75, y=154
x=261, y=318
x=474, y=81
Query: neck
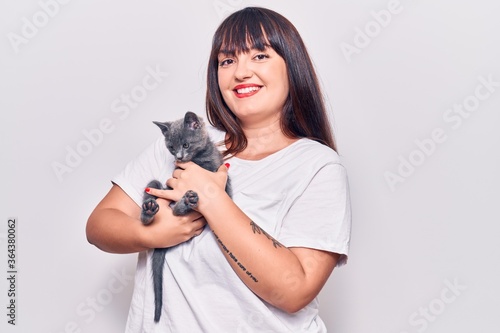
x=262, y=131
x=264, y=140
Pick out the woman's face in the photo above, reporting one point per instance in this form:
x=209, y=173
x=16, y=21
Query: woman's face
x=254, y=85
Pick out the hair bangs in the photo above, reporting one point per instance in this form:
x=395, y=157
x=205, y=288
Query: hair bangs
x=240, y=34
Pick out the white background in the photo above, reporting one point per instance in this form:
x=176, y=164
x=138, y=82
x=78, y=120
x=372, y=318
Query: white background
x=437, y=226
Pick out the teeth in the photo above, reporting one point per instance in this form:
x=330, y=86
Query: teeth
x=247, y=90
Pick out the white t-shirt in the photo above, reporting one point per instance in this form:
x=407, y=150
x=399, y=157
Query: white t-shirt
x=299, y=195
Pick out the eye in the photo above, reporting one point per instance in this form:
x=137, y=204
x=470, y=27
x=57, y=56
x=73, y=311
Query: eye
x=226, y=62
x=261, y=56
x=185, y=145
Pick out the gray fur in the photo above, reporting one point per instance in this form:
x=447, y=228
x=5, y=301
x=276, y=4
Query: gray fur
x=187, y=140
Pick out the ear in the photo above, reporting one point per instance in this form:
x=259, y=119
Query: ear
x=165, y=127
x=192, y=121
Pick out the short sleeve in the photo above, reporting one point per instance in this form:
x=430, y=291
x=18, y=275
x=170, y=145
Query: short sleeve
x=320, y=217
x=152, y=163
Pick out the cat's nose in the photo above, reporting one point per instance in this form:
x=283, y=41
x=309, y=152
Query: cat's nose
x=179, y=155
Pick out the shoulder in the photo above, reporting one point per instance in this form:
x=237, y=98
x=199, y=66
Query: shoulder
x=306, y=159
x=313, y=151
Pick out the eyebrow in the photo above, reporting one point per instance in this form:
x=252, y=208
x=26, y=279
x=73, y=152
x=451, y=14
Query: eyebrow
x=225, y=53
x=232, y=53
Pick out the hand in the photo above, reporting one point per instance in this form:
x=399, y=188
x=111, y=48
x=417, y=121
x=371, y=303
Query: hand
x=168, y=230
x=190, y=176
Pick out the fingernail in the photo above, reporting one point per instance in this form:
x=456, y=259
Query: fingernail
x=227, y=165
x=147, y=189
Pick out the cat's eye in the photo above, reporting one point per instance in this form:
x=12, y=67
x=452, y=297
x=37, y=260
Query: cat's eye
x=185, y=145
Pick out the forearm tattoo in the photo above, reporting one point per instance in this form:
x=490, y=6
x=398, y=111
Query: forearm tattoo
x=258, y=230
x=231, y=255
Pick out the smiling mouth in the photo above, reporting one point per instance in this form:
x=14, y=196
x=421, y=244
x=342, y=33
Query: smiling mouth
x=246, y=91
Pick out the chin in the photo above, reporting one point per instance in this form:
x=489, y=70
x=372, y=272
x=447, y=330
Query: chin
x=248, y=112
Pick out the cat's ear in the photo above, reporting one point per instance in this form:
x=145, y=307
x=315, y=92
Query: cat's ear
x=192, y=121
x=165, y=127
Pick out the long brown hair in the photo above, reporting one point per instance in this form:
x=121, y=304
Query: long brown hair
x=304, y=113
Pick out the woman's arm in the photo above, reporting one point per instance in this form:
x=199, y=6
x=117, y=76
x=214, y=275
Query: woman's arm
x=114, y=225
x=288, y=278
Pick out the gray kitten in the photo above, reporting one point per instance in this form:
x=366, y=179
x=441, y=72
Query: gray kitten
x=187, y=140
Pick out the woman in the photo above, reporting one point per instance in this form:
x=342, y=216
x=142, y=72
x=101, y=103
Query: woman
x=259, y=260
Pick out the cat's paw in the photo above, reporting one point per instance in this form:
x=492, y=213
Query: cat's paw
x=186, y=204
x=149, y=209
x=191, y=199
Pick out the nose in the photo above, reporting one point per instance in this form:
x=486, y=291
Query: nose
x=242, y=71
x=179, y=155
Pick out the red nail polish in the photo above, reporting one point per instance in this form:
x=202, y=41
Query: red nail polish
x=227, y=165
x=147, y=189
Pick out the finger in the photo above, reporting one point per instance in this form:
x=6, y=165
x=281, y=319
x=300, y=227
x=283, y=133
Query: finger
x=199, y=231
x=171, y=195
x=184, y=165
x=198, y=224
x=163, y=202
x=172, y=182
x=224, y=167
x=201, y=220
x=195, y=215
x=177, y=173
x=222, y=171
